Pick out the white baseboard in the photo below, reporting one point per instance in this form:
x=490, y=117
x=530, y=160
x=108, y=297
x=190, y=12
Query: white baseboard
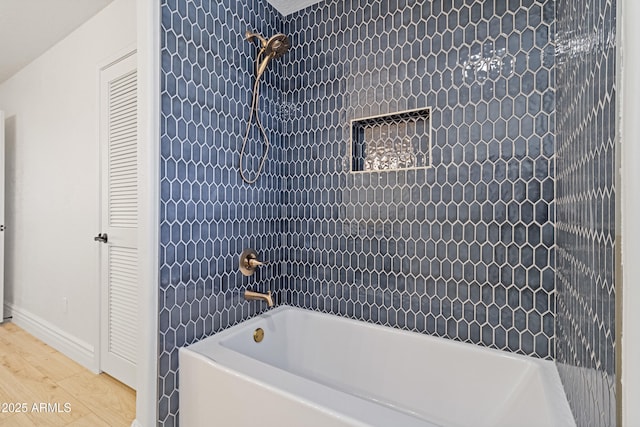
x=135, y=423
x=79, y=351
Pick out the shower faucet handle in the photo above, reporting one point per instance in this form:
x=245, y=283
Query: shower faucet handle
x=249, y=262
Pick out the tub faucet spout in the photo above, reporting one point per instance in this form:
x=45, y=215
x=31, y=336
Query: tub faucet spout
x=249, y=295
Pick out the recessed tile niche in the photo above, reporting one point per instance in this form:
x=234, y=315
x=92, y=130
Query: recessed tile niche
x=392, y=141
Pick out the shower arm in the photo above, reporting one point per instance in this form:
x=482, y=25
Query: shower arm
x=250, y=36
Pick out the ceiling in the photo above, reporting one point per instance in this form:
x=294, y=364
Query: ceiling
x=286, y=7
x=28, y=28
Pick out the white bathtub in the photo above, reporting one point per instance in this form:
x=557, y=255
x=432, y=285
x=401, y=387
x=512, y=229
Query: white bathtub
x=314, y=369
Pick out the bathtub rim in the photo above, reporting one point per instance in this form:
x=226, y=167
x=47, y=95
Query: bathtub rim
x=357, y=411
x=213, y=349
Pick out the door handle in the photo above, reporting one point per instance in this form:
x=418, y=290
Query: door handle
x=102, y=237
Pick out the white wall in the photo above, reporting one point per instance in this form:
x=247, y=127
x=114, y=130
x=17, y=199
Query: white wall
x=52, y=206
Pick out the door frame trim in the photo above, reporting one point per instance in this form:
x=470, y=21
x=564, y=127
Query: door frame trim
x=148, y=32
x=628, y=292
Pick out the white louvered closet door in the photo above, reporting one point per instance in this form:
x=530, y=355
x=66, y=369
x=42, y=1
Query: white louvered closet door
x=119, y=253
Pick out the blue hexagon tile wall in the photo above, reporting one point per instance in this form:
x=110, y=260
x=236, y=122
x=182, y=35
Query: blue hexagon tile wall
x=208, y=216
x=463, y=249
x=586, y=208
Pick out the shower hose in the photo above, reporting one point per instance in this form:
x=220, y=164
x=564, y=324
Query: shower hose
x=254, y=112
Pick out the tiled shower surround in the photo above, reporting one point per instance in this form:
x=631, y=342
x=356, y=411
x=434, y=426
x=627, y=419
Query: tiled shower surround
x=463, y=249
x=207, y=215
x=585, y=200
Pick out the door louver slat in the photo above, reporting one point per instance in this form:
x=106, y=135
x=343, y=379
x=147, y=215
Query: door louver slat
x=123, y=160
x=122, y=302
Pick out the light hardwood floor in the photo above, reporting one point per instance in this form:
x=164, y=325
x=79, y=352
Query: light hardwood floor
x=32, y=372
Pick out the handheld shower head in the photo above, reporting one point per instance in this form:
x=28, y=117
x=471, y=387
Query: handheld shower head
x=270, y=49
x=277, y=46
